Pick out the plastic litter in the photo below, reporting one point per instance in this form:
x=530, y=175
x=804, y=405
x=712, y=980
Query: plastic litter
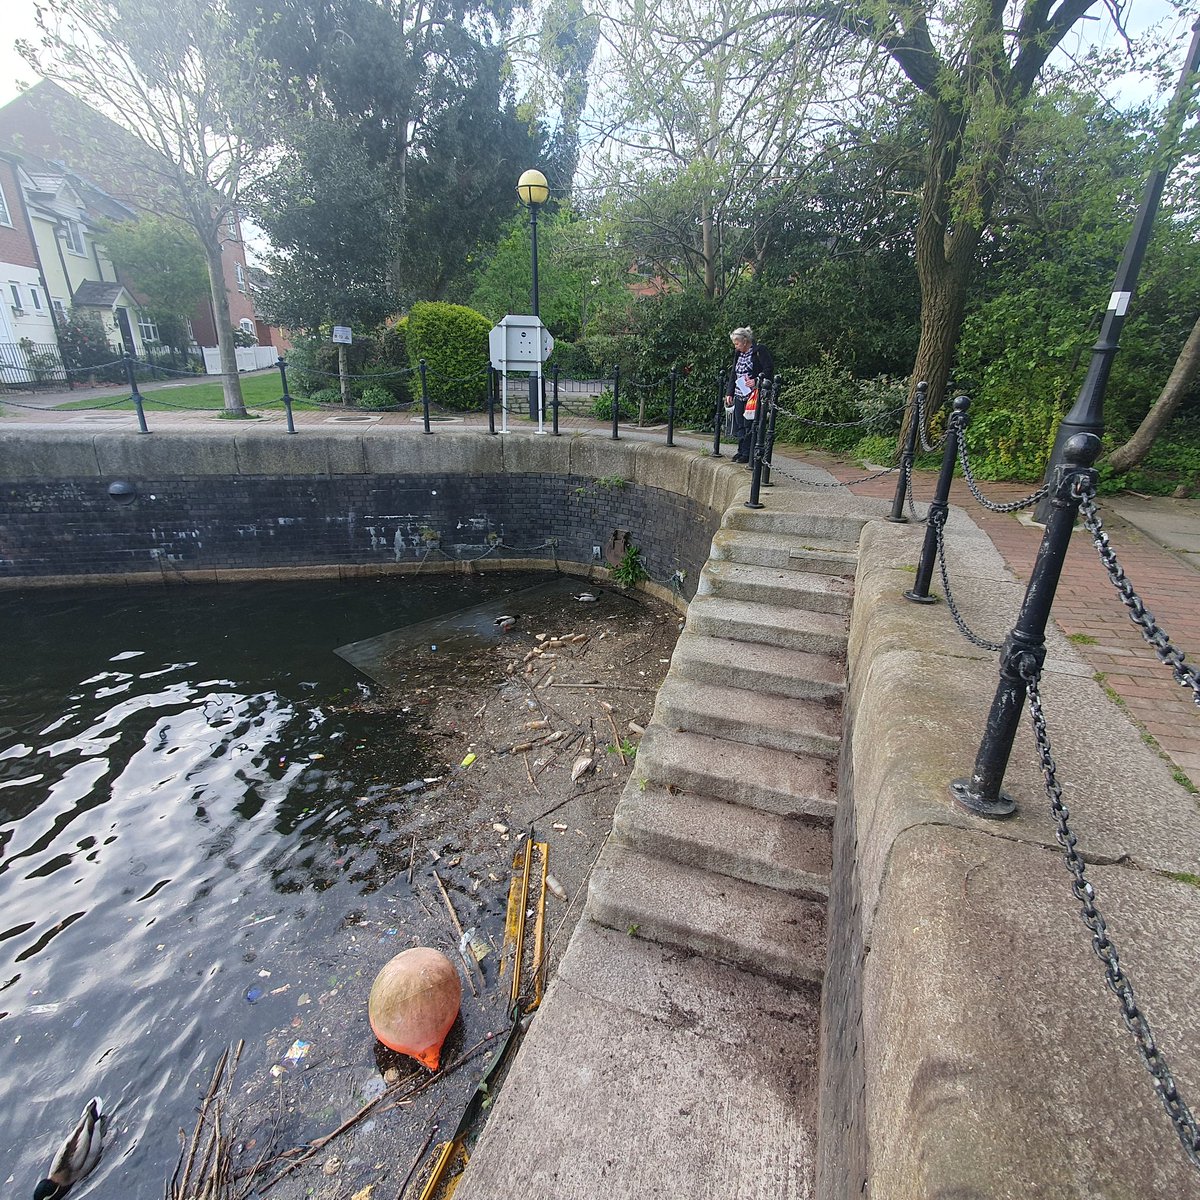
x=296, y=1052
x=253, y=995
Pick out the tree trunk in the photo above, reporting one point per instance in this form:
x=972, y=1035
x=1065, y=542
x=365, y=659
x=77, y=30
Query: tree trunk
x=343, y=374
x=231, y=383
x=1183, y=375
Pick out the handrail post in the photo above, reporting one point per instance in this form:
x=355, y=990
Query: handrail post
x=757, y=438
x=491, y=399
x=616, y=413
x=919, y=592
x=287, y=399
x=774, y=408
x=1025, y=646
x=554, y=404
x=422, y=367
x=719, y=423
x=671, y=409
x=135, y=395
x=908, y=454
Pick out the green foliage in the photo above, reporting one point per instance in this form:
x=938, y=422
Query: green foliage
x=83, y=341
x=824, y=405
x=630, y=571
x=325, y=395
x=374, y=397
x=877, y=448
x=371, y=359
x=163, y=260
x=453, y=341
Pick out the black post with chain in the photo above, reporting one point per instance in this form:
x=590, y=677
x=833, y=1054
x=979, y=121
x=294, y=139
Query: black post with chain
x=1025, y=647
x=908, y=454
x=919, y=592
x=772, y=410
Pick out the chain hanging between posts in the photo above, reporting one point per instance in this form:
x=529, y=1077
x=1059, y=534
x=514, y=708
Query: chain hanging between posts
x=939, y=521
x=1168, y=654
x=1118, y=982
x=926, y=445
x=776, y=469
x=1014, y=505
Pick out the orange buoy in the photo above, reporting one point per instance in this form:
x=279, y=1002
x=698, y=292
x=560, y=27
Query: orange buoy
x=414, y=1001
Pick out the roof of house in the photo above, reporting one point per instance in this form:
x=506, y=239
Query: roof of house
x=94, y=294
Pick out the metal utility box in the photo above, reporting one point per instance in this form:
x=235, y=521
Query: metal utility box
x=519, y=344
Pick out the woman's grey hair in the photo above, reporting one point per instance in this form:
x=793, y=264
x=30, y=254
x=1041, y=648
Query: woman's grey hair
x=742, y=334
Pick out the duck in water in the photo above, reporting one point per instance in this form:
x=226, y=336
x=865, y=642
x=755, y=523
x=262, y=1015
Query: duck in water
x=78, y=1155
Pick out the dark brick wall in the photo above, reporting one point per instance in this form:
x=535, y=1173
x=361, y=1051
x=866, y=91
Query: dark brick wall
x=73, y=527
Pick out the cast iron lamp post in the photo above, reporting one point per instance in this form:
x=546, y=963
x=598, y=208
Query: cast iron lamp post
x=534, y=192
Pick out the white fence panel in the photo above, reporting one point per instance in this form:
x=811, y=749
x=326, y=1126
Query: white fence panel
x=249, y=358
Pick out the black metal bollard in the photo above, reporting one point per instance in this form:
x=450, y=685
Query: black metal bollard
x=919, y=593
x=287, y=399
x=491, y=400
x=719, y=423
x=135, y=395
x=774, y=408
x=671, y=409
x=908, y=454
x=1025, y=646
x=425, y=395
x=757, y=441
x=616, y=414
x=554, y=405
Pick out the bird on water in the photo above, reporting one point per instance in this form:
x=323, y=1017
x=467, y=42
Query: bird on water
x=78, y=1155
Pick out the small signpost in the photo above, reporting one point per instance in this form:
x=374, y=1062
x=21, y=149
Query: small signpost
x=520, y=344
x=343, y=336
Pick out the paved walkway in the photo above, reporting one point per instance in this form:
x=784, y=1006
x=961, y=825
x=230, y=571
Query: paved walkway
x=1157, y=542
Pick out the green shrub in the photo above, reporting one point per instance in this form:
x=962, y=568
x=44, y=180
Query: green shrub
x=376, y=398
x=453, y=341
x=877, y=448
x=329, y=395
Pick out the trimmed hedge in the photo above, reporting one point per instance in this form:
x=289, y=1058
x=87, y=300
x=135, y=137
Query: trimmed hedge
x=453, y=341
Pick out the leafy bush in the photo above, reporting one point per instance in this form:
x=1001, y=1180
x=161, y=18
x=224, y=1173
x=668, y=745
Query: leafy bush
x=372, y=360
x=879, y=448
x=83, y=341
x=376, y=398
x=453, y=341
x=329, y=395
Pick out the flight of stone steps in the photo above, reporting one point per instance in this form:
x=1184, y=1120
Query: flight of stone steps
x=721, y=842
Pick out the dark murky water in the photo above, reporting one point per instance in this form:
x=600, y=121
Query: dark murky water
x=181, y=805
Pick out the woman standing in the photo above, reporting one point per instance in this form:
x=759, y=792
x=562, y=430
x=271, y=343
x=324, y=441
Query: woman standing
x=750, y=361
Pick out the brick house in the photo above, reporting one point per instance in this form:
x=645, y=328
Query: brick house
x=50, y=130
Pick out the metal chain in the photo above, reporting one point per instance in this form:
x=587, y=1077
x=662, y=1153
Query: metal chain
x=1167, y=654
x=869, y=420
x=926, y=445
x=836, y=483
x=1015, y=506
x=938, y=520
x=1118, y=982
x=912, y=507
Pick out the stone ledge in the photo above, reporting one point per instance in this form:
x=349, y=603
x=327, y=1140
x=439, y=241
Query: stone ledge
x=995, y=1061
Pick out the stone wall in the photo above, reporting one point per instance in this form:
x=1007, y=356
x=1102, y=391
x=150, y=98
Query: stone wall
x=220, y=504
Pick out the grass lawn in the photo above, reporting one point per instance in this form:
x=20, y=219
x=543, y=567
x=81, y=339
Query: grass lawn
x=258, y=391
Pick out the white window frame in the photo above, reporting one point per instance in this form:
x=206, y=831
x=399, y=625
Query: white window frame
x=240, y=271
x=5, y=211
x=60, y=309
x=232, y=225
x=74, y=233
x=15, y=288
x=35, y=295
x=147, y=330
x=247, y=326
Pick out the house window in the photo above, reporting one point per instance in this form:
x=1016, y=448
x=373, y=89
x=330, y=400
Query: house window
x=37, y=299
x=60, y=308
x=247, y=326
x=232, y=225
x=5, y=215
x=74, y=237
x=241, y=276
x=148, y=330
x=15, y=288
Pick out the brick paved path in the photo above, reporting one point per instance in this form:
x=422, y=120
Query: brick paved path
x=1087, y=604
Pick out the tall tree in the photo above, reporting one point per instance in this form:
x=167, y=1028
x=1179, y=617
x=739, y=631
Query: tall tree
x=182, y=85
x=976, y=65
x=703, y=105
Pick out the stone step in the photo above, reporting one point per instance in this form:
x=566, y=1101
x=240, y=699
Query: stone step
x=786, y=853
x=844, y=527
x=826, y=556
x=768, y=624
x=758, y=668
x=782, y=586
x=754, y=718
x=756, y=928
x=750, y=776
